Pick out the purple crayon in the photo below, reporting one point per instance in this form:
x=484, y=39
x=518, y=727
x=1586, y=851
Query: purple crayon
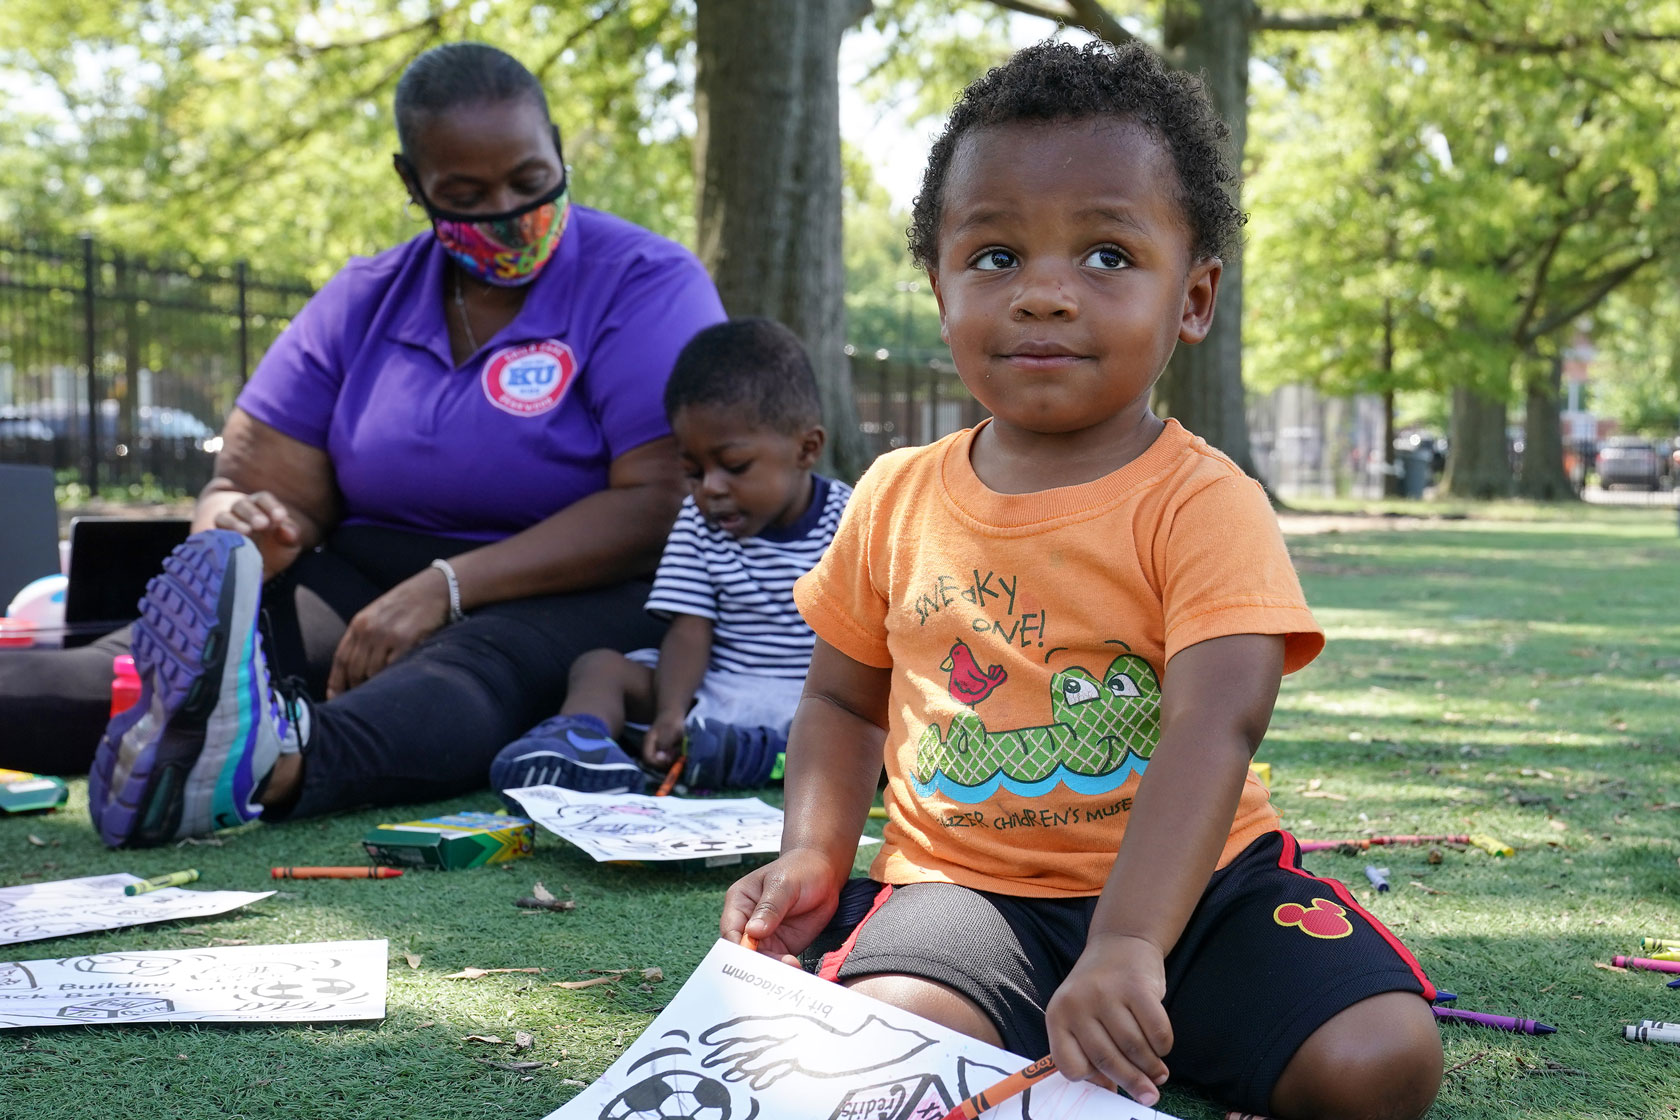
x=1500, y=1022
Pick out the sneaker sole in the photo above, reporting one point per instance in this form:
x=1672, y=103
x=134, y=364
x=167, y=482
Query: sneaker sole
x=190, y=618
x=584, y=777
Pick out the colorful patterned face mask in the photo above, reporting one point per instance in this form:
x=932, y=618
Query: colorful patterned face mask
x=506, y=249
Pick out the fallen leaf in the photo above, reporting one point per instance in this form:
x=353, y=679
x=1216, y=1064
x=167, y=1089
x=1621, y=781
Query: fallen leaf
x=550, y=903
x=489, y=1038
x=524, y=1040
x=574, y=1082
x=512, y=1067
x=230, y=941
x=541, y=893
x=1324, y=793
x=1608, y=967
x=475, y=973
x=576, y=984
x=37, y=841
x=413, y=959
x=653, y=975
x=195, y=841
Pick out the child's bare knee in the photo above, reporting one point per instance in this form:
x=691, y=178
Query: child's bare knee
x=597, y=666
x=1377, y=1060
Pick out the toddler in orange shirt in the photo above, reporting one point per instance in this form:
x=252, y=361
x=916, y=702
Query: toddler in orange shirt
x=1063, y=632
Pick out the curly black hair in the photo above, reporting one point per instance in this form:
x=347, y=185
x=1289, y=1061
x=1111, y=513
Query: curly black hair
x=1051, y=81
x=755, y=366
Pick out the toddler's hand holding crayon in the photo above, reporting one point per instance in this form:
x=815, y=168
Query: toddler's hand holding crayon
x=663, y=742
x=782, y=906
x=1106, y=1021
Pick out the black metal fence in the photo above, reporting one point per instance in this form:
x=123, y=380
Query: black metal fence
x=905, y=402
x=159, y=348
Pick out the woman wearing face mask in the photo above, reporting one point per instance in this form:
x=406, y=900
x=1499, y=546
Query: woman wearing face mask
x=442, y=483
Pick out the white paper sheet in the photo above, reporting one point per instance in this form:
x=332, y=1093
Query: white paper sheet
x=329, y=981
x=749, y=1038
x=36, y=911
x=630, y=826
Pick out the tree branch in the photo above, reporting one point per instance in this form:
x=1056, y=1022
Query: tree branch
x=1532, y=304
x=1087, y=15
x=1605, y=284
x=1608, y=39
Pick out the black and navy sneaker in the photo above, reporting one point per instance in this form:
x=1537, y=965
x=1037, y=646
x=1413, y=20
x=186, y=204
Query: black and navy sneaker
x=191, y=755
x=724, y=756
x=573, y=752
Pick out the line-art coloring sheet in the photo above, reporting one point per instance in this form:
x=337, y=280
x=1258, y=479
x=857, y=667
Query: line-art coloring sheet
x=328, y=981
x=750, y=1038
x=36, y=911
x=627, y=826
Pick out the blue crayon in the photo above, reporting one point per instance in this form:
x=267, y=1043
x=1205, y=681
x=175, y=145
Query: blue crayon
x=1674, y=983
x=1378, y=877
x=1444, y=997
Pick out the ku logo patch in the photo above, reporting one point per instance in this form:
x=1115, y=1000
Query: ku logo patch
x=1323, y=919
x=529, y=379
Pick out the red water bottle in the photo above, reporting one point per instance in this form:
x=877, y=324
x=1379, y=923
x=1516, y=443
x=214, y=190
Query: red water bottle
x=125, y=684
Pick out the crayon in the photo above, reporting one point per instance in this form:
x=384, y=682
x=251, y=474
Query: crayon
x=1444, y=997
x=1660, y=1032
x=1674, y=983
x=1492, y=846
x=334, y=872
x=173, y=879
x=1666, y=955
x=1378, y=841
x=1658, y=1023
x=670, y=782
x=877, y=812
x=749, y=942
x=1646, y=962
x=1010, y=1086
x=1501, y=1022
x=1660, y=944
x=1378, y=877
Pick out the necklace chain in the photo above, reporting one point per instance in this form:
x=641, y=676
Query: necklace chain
x=466, y=323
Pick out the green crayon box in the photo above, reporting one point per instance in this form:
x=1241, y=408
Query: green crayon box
x=30, y=793
x=451, y=842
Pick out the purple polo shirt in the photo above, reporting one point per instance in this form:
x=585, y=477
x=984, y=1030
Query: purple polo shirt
x=535, y=417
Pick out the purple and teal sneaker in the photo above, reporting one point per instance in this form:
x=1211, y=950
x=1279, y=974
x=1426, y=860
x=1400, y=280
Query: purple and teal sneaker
x=573, y=752
x=189, y=757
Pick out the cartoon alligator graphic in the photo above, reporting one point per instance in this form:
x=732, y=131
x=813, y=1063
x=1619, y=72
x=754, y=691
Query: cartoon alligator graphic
x=1101, y=730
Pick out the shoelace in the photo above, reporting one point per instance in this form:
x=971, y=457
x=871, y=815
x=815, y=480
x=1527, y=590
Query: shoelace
x=290, y=688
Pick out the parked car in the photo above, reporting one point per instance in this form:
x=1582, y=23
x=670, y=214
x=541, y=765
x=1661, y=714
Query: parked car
x=1630, y=461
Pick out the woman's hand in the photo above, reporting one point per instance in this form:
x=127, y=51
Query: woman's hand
x=389, y=627
x=1106, y=1021
x=270, y=525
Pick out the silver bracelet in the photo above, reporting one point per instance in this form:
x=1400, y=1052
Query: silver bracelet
x=448, y=570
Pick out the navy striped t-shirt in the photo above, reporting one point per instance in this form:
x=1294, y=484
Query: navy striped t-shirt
x=746, y=586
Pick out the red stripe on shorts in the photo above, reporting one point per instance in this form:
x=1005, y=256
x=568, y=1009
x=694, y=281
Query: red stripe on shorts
x=831, y=962
x=1287, y=861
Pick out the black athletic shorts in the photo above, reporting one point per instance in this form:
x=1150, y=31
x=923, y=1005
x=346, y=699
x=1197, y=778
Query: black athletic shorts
x=1270, y=954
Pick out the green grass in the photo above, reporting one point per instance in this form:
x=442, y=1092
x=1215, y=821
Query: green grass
x=1516, y=674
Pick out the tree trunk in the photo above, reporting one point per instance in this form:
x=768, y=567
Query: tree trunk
x=767, y=168
x=1543, y=477
x=1477, y=466
x=1203, y=386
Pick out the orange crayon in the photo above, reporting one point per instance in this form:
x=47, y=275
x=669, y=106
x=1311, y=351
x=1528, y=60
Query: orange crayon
x=670, y=781
x=1010, y=1086
x=335, y=872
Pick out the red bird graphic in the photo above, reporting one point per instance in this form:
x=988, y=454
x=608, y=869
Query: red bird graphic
x=969, y=683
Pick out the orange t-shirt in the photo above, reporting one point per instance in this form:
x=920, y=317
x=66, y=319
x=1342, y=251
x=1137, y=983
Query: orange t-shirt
x=1027, y=635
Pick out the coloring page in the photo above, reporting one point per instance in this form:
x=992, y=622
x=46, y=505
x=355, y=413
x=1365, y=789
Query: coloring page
x=628, y=826
x=41, y=910
x=330, y=981
x=750, y=1038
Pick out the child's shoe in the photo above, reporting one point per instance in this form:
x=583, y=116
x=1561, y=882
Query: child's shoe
x=723, y=756
x=190, y=756
x=573, y=752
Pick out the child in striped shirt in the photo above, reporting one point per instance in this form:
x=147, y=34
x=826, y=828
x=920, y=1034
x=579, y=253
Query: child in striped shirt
x=723, y=685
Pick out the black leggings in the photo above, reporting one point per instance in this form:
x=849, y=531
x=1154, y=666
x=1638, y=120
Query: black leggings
x=425, y=727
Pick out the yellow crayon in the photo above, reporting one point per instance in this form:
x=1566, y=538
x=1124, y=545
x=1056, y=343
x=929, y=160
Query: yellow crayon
x=173, y=879
x=1492, y=846
x=1263, y=771
x=1665, y=955
x=877, y=813
x=1661, y=944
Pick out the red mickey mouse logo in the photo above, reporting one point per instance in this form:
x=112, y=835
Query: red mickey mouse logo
x=1325, y=919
